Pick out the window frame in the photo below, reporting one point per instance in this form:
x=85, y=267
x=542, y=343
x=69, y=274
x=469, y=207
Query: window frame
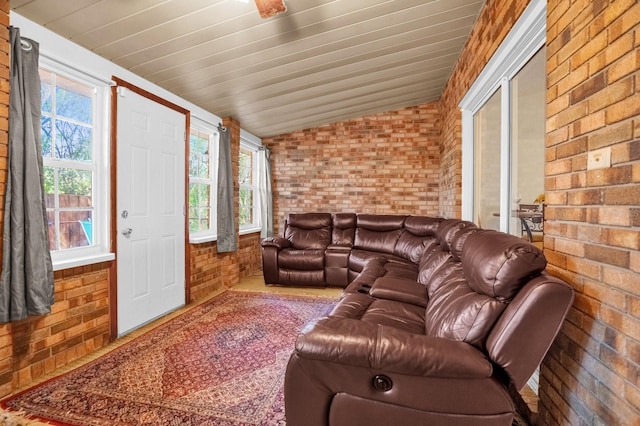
x=198, y=237
x=99, y=250
x=255, y=226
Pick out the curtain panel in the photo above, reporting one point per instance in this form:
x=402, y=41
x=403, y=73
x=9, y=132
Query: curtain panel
x=26, y=281
x=227, y=240
x=264, y=189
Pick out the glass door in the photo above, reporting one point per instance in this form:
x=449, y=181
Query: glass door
x=527, y=148
x=508, y=153
x=487, y=164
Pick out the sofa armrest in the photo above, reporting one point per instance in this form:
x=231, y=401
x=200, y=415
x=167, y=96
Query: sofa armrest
x=277, y=242
x=358, y=343
x=271, y=246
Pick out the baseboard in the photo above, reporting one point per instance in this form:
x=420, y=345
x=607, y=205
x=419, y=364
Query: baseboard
x=526, y=402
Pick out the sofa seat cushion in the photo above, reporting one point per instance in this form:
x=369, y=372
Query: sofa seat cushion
x=402, y=316
x=310, y=259
x=358, y=258
x=352, y=305
x=400, y=290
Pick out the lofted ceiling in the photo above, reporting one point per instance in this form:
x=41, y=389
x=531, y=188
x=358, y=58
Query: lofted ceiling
x=320, y=62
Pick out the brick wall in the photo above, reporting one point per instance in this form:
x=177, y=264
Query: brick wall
x=78, y=325
x=249, y=255
x=592, y=233
x=385, y=163
x=211, y=271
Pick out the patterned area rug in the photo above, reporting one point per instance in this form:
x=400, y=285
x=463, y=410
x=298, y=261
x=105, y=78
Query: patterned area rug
x=220, y=363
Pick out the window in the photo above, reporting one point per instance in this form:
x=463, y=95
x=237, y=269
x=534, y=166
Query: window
x=73, y=113
x=519, y=120
x=203, y=158
x=248, y=214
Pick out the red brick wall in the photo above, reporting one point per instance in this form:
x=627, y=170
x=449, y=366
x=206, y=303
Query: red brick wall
x=249, y=255
x=385, y=163
x=592, y=233
x=78, y=325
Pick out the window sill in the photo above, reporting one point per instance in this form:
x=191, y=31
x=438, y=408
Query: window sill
x=250, y=230
x=201, y=239
x=59, y=265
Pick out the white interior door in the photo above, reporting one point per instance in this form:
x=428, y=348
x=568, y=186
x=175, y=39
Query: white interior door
x=150, y=209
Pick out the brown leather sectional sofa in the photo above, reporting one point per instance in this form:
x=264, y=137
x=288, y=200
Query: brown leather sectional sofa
x=438, y=318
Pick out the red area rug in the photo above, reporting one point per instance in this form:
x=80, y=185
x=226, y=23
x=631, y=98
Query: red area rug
x=220, y=363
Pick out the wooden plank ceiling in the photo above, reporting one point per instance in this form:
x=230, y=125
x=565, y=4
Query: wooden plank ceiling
x=320, y=62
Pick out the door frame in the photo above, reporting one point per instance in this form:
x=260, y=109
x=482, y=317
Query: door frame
x=113, y=270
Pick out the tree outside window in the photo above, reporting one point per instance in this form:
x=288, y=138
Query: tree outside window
x=246, y=176
x=67, y=129
x=202, y=180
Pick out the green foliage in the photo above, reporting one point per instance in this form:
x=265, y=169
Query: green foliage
x=66, y=135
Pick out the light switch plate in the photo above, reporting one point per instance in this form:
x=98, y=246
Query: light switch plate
x=599, y=158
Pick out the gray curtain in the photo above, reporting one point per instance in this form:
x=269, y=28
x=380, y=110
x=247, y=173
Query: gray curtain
x=264, y=188
x=26, y=281
x=227, y=239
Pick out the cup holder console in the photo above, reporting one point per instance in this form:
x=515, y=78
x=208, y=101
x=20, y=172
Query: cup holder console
x=364, y=289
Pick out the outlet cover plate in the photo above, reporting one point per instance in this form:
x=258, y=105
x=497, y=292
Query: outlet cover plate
x=599, y=158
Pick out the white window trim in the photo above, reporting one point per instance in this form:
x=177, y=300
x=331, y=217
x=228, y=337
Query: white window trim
x=209, y=235
x=100, y=251
x=251, y=145
x=526, y=37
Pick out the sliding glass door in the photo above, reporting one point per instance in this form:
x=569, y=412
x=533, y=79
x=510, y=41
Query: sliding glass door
x=503, y=132
x=508, y=152
x=486, y=136
x=527, y=146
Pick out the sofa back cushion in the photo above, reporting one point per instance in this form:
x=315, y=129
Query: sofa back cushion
x=456, y=312
x=411, y=247
x=308, y=230
x=449, y=232
x=378, y=232
x=498, y=264
x=419, y=232
x=422, y=226
x=344, y=229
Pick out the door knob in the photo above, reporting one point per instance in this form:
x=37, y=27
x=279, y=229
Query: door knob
x=127, y=232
